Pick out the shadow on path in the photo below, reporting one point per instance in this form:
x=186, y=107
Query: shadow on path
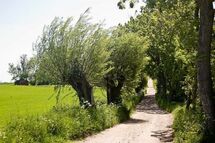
x=135, y=121
x=164, y=135
x=149, y=106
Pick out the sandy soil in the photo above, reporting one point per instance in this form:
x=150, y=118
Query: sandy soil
x=149, y=124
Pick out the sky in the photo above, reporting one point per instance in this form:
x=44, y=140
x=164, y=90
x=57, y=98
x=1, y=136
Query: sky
x=22, y=21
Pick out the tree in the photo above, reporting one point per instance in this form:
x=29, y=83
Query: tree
x=204, y=68
x=74, y=54
x=128, y=60
x=20, y=72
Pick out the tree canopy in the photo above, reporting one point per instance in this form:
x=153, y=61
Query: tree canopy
x=74, y=54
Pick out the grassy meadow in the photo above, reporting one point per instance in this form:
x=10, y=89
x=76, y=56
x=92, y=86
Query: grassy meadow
x=27, y=115
x=33, y=100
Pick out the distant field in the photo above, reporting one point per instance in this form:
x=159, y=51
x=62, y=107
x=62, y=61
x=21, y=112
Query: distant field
x=32, y=100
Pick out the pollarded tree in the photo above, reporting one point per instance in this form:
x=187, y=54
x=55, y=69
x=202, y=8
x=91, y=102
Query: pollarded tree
x=74, y=55
x=128, y=59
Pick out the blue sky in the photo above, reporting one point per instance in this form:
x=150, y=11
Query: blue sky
x=22, y=21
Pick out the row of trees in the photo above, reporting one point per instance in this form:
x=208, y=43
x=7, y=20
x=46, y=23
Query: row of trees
x=180, y=50
x=84, y=55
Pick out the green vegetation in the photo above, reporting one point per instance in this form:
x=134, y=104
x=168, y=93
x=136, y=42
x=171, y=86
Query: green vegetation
x=79, y=57
x=128, y=62
x=188, y=125
x=34, y=100
x=75, y=55
x=182, y=60
x=164, y=41
x=22, y=100
x=66, y=122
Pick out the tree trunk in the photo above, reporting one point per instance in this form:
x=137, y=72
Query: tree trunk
x=84, y=91
x=113, y=92
x=113, y=95
x=204, y=67
x=161, y=85
x=87, y=89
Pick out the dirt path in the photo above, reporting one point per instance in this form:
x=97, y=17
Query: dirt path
x=148, y=124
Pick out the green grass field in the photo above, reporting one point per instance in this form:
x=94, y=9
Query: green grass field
x=33, y=100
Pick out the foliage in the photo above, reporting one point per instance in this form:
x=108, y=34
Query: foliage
x=130, y=99
x=128, y=61
x=122, y=3
x=36, y=75
x=66, y=50
x=128, y=57
x=171, y=30
x=176, y=31
x=74, y=54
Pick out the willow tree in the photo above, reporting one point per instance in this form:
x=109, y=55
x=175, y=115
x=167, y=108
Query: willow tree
x=128, y=60
x=74, y=54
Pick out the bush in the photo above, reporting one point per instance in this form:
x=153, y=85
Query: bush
x=65, y=123
x=188, y=125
